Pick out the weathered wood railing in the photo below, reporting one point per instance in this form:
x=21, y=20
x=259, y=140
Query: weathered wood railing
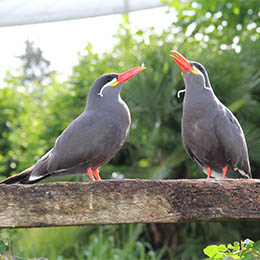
x=128, y=201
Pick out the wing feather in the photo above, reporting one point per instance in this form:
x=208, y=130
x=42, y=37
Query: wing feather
x=232, y=141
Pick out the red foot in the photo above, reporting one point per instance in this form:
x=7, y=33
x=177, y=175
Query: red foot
x=96, y=173
x=90, y=174
x=224, y=170
x=209, y=172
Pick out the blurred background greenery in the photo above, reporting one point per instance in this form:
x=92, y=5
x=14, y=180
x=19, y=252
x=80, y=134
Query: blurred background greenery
x=35, y=108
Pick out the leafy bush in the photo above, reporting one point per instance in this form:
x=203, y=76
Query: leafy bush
x=247, y=250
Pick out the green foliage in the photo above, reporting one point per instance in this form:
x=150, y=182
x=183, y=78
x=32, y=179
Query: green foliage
x=247, y=250
x=131, y=249
x=88, y=243
x=8, y=110
x=2, y=247
x=5, y=245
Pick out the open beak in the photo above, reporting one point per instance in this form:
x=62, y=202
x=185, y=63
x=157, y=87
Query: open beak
x=123, y=77
x=183, y=63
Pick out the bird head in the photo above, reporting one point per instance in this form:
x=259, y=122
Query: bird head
x=193, y=72
x=111, y=83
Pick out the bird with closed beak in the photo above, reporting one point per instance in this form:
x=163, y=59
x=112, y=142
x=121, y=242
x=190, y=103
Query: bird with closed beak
x=92, y=139
x=211, y=134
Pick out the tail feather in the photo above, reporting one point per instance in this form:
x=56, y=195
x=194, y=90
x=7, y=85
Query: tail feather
x=22, y=177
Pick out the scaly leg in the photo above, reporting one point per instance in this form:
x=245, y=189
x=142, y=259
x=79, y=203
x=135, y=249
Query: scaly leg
x=96, y=173
x=209, y=172
x=224, y=170
x=90, y=174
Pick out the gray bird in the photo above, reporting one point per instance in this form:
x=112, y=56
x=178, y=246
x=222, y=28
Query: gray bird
x=211, y=134
x=92, y=139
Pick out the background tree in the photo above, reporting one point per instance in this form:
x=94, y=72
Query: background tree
x=35, y=67
x=27, y=105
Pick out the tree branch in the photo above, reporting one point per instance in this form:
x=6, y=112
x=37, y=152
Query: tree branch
x=128, y=201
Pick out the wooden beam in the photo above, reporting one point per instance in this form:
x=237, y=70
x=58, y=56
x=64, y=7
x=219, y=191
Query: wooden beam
x=128, y=201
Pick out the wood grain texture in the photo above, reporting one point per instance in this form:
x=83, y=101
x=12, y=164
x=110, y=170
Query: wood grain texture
x=128, y=201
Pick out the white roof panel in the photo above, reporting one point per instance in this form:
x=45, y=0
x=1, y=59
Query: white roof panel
x=19, y=12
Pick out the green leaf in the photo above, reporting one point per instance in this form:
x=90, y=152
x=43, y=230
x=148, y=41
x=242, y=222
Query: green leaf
x=211, y=251
x=236, y=246
x=236, y=11
x=222, y=247
x=230, y=246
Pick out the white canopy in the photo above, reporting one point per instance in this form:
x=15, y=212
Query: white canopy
x=19, y=12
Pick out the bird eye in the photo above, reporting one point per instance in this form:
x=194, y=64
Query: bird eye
x=199, y=67
x=110, y=79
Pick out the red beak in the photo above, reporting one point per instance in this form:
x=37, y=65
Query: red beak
x=183, y=63
x=129, y=74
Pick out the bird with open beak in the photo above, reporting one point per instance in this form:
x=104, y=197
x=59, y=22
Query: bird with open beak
x=92, y=139
x=211, y=134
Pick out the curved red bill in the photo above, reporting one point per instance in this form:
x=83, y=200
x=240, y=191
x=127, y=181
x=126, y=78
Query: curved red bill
x=122, y=77
x=182, y=62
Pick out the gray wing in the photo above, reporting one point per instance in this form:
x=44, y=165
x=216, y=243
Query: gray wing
x=232, y=141
x=86, y=140
x=194, y=158
x=199, y=140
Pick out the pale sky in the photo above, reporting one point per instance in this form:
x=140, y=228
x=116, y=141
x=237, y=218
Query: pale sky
x=61, y=41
